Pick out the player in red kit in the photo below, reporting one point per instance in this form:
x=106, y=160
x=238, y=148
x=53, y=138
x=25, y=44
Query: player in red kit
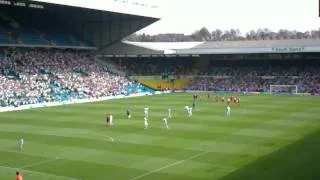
x=235, y=100
x=18, y=176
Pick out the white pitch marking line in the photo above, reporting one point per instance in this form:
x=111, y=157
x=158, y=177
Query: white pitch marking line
x=40, y=173
x=109, y=137
x=40, y=162
x=170, y=165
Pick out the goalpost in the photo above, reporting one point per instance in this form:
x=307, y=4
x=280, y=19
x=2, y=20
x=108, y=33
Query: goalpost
x=283, y=89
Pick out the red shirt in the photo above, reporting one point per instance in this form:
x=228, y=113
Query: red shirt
x=18, y=177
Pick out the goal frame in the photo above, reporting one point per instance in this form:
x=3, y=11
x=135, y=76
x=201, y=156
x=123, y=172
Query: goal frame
x=275, y=85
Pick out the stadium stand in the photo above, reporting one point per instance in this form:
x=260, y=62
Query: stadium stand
x=30, y=76
x=157, y=72
x=34, y=27
x=48, y=52
x=257, y=76
x=247, y=66
x=164, y=84
x=231, y=73
x=156, y=66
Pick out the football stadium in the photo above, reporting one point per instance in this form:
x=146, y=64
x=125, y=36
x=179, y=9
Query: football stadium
x=78, y=101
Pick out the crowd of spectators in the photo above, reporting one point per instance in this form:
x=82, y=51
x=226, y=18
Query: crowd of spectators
x=253, y=76
x=260, y=71
x=146, y=66
x=29, y=76
x=256, y=79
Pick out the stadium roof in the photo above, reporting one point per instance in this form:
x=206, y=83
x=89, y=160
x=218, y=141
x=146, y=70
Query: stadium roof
x=162, y=46
x=128, y=49
x=221, y=47
x=101, y=23
x=259, y=43
x=133, y=7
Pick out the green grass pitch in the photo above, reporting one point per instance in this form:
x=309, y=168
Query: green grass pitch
x=265, y=138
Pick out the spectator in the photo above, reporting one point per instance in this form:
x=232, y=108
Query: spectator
x=255, y=79
x=42, y=75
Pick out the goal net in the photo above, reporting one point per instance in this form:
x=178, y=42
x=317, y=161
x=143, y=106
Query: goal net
x=283, y=89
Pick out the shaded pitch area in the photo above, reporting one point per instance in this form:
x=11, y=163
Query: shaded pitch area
x=299, y=160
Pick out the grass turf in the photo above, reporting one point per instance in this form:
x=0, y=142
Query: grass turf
x=266, y=137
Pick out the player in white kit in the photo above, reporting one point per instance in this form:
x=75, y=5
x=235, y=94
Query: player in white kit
x=146, y=124
x=146, y=112
x=169, y=113
x=190, y=112
x=111, y=119
x=186, y=108
x=165, y=123
x=228, y=111
x=21, y=142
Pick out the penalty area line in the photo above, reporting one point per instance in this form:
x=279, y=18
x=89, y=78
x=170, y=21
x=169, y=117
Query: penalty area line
x=170, y=165
x=108, y=138
x=38, y=163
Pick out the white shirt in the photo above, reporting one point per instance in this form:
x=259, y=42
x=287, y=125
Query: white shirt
x=228, y=108
x=146, y=110
x=165, y=120
x=21, y=141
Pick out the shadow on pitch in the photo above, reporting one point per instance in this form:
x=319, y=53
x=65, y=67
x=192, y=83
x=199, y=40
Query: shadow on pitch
x=297, y=161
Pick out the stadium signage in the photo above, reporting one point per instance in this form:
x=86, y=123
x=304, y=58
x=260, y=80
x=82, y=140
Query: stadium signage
x=288, y=49
x=5, y=2
x=267, y=77
x=20, y=4
x=134, y=7
x=75, y=101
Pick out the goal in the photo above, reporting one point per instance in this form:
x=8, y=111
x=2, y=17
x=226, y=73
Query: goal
x=283, y=89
